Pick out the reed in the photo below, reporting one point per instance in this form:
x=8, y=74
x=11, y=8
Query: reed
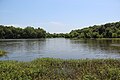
x=58, y=69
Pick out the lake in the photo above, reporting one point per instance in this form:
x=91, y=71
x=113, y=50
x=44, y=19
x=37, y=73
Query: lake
x=30, y=49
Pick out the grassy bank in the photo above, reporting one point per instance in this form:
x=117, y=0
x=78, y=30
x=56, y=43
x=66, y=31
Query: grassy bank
x=2, y=52
x=57, y=69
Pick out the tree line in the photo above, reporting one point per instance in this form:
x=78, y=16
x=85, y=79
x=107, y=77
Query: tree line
x=108, y=30
x=10, y=32
x=57, y=35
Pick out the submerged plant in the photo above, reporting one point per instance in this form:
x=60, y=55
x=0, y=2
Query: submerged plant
x=2, y=52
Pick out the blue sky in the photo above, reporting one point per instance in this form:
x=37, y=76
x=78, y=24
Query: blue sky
x=58, y=15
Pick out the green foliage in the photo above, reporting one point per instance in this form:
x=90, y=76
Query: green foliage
x=10, y=32
x=109, y=30
x=57, y=35
x=57, y=69
x=114, y=35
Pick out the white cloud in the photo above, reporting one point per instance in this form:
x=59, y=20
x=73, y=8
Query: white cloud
x=15, y=25
x=51, y=26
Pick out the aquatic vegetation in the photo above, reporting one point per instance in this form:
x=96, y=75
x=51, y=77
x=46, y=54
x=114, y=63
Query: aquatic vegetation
x=2, y=52
x=58, y=69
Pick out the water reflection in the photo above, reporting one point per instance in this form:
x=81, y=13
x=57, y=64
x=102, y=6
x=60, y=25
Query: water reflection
x=108, y=45
x=29, y=49
x=23, y=49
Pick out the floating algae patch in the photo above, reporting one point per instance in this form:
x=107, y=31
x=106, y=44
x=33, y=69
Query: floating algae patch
x=2, y=53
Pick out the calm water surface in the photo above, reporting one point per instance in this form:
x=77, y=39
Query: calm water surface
x=30, y=49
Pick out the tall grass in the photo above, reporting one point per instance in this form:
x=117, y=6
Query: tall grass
x=58, y=69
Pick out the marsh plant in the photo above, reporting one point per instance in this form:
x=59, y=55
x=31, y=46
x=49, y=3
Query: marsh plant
x=2, y=52
x=58, y=69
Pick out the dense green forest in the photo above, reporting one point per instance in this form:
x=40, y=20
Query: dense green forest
x=108, y=30
x=10, y=32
